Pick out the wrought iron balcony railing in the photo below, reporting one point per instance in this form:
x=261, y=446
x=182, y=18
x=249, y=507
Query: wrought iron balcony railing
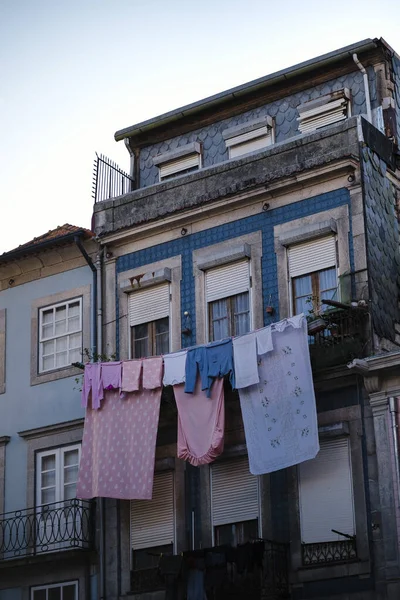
x=324, y=553
x=48, y=528
x=109, y=181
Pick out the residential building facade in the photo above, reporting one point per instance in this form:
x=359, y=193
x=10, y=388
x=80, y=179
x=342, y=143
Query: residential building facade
x=46, y=535
x=267, y=200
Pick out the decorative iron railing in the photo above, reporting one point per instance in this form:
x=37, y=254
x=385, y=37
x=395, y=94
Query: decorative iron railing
x=109, y=181
x=271, y=582
x=329, y=552
x=48, y=528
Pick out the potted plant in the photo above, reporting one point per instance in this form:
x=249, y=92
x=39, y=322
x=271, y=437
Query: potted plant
x=315, y=320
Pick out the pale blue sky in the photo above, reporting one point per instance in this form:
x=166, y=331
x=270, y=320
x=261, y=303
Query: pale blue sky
x=75, y=71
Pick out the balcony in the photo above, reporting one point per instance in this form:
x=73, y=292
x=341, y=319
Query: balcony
x=342, y=336
x=231, y=577
x=52, y=527
x=109, y=181
x=325, y=553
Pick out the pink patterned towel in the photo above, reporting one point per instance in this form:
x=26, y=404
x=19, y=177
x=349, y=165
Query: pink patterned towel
x=131, y=372
x=118, y=447
x=152, y=372
x=201, y=423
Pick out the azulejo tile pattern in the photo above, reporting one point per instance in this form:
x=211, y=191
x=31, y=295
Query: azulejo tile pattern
x=264, y=222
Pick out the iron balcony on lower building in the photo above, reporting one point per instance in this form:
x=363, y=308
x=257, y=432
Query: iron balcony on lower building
x=60, y=526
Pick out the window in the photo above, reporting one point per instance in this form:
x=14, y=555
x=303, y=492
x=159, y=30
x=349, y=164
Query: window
x=323, y=111
x=149, y=321
x=57, y=474
x=180, y=161
x=234, y=502
x=249, y=137
x=326, y=494
x=153, y=523
x=60, y=335
x=58, y=591
x=228, y=300
x=313, y=274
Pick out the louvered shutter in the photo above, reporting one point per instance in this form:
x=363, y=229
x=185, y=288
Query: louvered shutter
x=181, y=164
x=326, y=493
x=234, y=492
x=312, y=256
x=149, y=304
x=152, y=521
x=227, y=280
x=317, y=117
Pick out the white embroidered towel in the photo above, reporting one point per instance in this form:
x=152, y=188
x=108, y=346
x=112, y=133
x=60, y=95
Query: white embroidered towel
x=245, y=360
x=174, y=368
x=264, y=340
x=279, y=414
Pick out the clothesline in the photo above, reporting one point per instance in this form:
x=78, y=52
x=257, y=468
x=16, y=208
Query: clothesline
x=271, y=369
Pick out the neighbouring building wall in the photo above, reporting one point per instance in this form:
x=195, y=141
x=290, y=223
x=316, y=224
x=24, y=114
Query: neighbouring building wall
x=396, y=71
x=283, y=111
x=25, y=406
x=382, y=245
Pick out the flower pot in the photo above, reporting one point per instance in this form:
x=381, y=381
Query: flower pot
x=316, y=326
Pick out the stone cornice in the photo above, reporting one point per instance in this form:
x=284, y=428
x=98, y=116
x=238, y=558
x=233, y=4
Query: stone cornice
x=30, y=434
x=4, y=439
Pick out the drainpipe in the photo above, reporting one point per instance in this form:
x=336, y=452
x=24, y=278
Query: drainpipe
x=393, y=421
x=366, y=87
x=93, y=304
x=99, y=307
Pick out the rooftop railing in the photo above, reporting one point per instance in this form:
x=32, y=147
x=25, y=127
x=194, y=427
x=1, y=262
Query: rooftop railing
x=109, y=181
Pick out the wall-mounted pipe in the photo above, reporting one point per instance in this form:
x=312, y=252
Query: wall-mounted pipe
x=395, y=438
x=93, y=324
x=366, y=87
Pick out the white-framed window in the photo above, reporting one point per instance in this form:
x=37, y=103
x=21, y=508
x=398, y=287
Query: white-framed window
x=149, y=320
x=56, y=591
x=326, y=494
x=313, y=274
x=152, y=523
x=235, y=502
x=324, y=111
x=57, y=474
x=228, y=300
x=60, y=335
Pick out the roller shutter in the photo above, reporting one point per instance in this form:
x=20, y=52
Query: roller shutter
x=326, y=493
x=152, y=521
x=227, y=280
x=149, y=304
x=312, y=256
x=234, y=492
x=181, y=164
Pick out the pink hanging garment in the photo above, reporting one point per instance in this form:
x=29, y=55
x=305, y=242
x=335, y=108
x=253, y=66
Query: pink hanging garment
x=131, y=372
x=91, y=385
x=201, y=423
x=152, y=372
x=118, y=447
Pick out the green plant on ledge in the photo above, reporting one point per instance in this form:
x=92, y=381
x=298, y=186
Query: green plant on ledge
x=88, y=356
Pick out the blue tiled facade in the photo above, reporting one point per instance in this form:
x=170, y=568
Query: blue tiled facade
x=284, y=111
x=265, y=222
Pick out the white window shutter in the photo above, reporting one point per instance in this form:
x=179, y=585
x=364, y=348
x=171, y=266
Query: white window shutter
x=234, y=492
x=181, y=164
x=311, y=256
x=314, y=117
x=152, y=521
x=326, y=494
x=227, y=280
x=149, y=304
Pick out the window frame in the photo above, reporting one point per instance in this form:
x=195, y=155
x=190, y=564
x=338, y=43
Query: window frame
x=152, y=337
x=315, y=289
x=49, y=586
x=230, y=314
x=41, y=341
x=59, y=453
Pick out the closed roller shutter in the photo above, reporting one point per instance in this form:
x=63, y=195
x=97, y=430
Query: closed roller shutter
x=152, y=521
x=326, y=494
x=181, y=164
x=234, y=492
x=149, y=304
x=227, y=280
x=312, y=256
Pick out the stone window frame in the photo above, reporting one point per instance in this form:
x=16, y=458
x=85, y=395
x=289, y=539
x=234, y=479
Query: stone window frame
x=83, y=292
x=3, y=317
x=223, y=253
x=3, y=443
x=148, y=275
x=45, y=438
x=342, y=422
x=334, y=221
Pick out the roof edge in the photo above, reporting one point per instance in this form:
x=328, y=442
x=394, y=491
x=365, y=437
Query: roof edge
x=221, y=97
x=35, y=248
